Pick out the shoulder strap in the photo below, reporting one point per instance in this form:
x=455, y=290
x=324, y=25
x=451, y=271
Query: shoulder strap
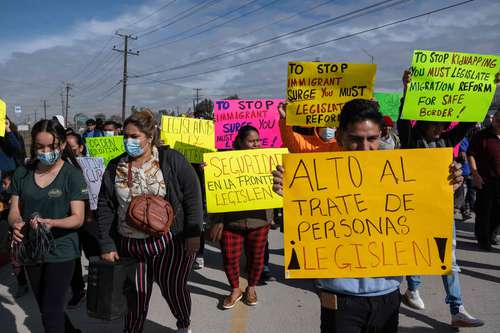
x=129, y=175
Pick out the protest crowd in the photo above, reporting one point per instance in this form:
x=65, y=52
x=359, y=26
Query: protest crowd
x=139, y=200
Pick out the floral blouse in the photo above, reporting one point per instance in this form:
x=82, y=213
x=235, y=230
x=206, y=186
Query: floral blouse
x=145, y=180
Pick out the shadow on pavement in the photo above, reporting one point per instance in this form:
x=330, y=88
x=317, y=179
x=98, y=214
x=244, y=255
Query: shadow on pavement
x=480, y=276
x=7, y=319
x=436, y=326
x=152, y=327
x=476, y=264
x=469, y=246
x=27, y=303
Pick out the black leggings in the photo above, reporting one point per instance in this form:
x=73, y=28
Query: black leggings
x=49, y=282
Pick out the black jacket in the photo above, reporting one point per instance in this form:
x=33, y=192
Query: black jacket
x=183, y=192
x=411, y=136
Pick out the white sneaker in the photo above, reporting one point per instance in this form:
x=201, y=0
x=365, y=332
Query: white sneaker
x=413, y=300
x=199, y=263
x=464, y=319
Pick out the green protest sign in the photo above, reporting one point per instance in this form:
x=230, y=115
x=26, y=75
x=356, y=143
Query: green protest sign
x=389, y=103
x=450, y=86
x=107, y=147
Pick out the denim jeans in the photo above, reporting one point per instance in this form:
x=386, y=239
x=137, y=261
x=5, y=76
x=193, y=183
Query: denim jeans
x=451, y=282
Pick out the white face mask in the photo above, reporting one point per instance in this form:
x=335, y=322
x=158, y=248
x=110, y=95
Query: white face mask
x=109, y=133
x=326, y=133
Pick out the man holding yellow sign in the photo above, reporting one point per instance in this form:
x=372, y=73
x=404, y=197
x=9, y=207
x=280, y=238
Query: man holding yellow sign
x=356, y=304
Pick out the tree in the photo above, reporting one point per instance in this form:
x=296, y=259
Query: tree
x=116, y=118
x=204, y=109
x=235, y=96
x=101, y=116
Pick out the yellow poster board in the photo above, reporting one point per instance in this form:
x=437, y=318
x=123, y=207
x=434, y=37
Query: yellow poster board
x=241, y=180
x=368, y=213
x=317, y=91
x=450, y=86
x=191, y=137
x=3, y=115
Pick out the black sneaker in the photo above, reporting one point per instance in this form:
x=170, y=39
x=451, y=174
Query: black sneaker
x=266, y=276
x=77, y=300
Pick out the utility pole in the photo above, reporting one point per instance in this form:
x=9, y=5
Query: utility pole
x=197, y=90
x=196, y=98
x=45, y=109
x=126, y=51
x=368, y=54
x=68, y=88
x=62, y=103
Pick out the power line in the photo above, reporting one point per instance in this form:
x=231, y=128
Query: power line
x=151, y=14
x=101, y=78
x=96, y=55
x=320, y=43
x=217, y=26
x=284, y=35
x=180, y=16
x=150, y=45
x=274, y=22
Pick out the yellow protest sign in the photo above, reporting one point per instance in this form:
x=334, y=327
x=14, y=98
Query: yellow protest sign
x=190, y=136
x=368, y=213
x=3, y=115
x=107, y=147
x=317, y=91
x=241, y=180
x=450, y=86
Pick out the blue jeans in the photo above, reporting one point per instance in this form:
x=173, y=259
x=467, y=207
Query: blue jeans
x=451, y=282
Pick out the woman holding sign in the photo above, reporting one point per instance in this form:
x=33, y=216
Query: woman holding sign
x=237, y=228
x=164, y=184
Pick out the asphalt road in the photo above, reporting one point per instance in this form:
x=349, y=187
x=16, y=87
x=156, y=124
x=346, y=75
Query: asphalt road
x=284, y=305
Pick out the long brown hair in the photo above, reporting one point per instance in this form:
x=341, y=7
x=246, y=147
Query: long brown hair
x=145, y=121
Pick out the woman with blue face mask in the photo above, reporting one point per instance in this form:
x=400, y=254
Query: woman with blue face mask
x=50, y=193
x=146, y=169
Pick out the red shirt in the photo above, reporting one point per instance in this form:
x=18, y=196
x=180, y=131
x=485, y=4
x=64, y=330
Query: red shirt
x=485, y=148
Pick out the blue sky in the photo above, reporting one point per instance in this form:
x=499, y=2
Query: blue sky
x=47, y=42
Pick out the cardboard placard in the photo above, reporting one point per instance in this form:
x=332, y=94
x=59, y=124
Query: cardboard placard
x=107, y=147
x=241, y=180
x=317, y=91
x=368, y=213
x=231, y=115
x=191, y=137
x=450, y=86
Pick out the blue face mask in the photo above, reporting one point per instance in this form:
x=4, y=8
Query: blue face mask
x=326, y=133
x=133, y=147
x=49, y=158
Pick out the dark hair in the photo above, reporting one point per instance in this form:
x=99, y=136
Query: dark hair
x=7, y=174
x=145, y=121
x=58, y=132
x=99, y=124
x=110, y=122
x=90, y=122
x=13, y=126
x=243, y=132
x=358, y=110
x=79, y=141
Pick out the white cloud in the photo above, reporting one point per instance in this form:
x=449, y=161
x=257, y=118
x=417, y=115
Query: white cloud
x=45, y=61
